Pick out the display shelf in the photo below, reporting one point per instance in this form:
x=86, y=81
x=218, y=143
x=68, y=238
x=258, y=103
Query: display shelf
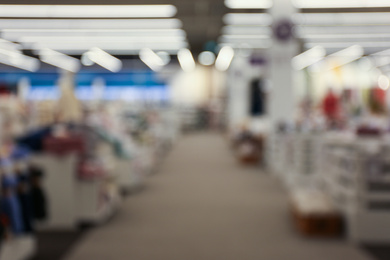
x=350, y=163
x=18, y=248
x=295, y=158
x=73, y=200
x=96, y=201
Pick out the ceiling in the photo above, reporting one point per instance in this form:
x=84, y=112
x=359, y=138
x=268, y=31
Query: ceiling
x=202, y=19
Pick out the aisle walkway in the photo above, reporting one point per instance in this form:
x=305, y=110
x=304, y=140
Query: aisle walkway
x=203, y=206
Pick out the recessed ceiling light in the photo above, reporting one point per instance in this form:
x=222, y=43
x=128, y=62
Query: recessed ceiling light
x=206, y=58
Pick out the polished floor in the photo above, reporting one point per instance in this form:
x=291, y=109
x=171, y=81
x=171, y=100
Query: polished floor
x=202, y=205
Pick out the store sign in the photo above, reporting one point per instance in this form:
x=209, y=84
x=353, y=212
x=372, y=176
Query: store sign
x=283, y=30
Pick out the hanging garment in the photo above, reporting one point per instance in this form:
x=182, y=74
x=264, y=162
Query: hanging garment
x=38, y=196
x=25, y=200
x=10, y=205
x=330, y=106
x=34, y=140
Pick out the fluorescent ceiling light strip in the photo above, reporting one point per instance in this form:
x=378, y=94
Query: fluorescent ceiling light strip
x=262, y=19
x=341, y=18
x=151, y=59
x=59, y=60
x=225, y=58
x=336, y=37
x=104, y=59
x=245, y=37
x=11, y=46
x=120, y=46
x=15, y=34
x=249, y=4
x=382, y=53
x=301, y=31
x=347, y=55
x=87, y=11
x=186, y=60
x=339, y=45
x=340, y=58
x=18, y=60
x=256, y=42
x=380, y=61
x=340, y=4
x=245, y=45
x=98, y=39
x=381, y=58
x=116, y=51
x=106, y=45
x=308, y=58
x=90, y=24
x=245, y=30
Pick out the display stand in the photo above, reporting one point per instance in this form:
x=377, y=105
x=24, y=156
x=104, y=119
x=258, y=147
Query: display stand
x=358, y=182
x=295, y=158
x=60, y=187
x=72, y=201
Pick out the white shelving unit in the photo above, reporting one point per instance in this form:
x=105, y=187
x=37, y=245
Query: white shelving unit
x=357, y=178
x=295, y=158
x=71, y=200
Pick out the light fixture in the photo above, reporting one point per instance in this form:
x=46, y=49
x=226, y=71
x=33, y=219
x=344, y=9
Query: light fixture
x=246, y=37
x=186, y=60
x=262, y=19
x=85, y=60
x=256, y=43
x=87, y=11
x=375, y=46
x=59, y=60
x=368, y=18
x=101, y=39
x=90, y=24
x=383, y=82
x=16, y=34
x=165, y=56
x=249, y=4
x=340, y=4
x=308, y=58
x=224, y=59
x=117, y=48
x=381, y=59
x=151, y=59
x=307, y=31
x=366, y=64
x=18, y=60
x=245, y=30
x=346, y=56
x=206, y=58
x=246, y=45
x=104, y=59
x=11, y=46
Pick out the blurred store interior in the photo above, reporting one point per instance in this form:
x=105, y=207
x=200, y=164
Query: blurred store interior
x=196, y=130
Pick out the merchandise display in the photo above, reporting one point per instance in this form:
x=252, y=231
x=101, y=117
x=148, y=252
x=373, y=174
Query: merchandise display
x=61, y=168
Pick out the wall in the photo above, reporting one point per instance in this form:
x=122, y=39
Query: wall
x=191, y=88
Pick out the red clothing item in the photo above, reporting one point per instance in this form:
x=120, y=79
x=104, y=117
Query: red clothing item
x=330, y=106
x=379, y=95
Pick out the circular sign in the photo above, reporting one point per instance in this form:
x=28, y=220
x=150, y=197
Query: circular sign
x=283, y=30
